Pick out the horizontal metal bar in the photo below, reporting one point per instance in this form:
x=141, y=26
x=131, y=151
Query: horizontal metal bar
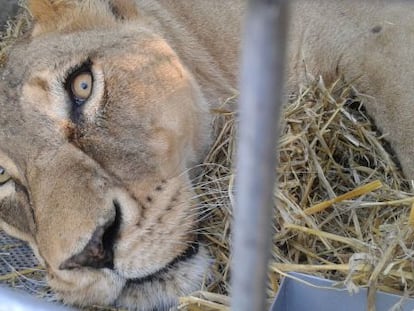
x=13, y=300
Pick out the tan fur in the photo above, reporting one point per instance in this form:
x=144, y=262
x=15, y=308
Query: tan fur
x=158, y=67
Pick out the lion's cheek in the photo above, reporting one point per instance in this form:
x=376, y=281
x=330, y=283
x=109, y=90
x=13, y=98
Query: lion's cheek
x=171, y=151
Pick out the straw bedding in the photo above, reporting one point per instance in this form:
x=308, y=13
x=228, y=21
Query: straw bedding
x=342, y=206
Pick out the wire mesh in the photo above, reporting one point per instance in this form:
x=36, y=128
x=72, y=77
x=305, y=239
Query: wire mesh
x=20, y=269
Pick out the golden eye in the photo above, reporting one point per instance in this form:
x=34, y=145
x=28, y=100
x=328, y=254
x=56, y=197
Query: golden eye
x=4, y=177
x=81, y=86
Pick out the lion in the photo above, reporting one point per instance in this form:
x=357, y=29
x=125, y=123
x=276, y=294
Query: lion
x=105, y=109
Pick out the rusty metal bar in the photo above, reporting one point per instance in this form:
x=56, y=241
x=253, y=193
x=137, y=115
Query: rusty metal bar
x=260, y=101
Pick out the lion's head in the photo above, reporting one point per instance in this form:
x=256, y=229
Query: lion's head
x=99, y=123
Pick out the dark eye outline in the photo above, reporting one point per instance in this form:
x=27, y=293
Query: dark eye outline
x=73, y=73
x=8, y=177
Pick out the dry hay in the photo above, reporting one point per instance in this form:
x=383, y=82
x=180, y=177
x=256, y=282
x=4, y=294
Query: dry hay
x=16, y=27
x=330, y=153
x=342, y=204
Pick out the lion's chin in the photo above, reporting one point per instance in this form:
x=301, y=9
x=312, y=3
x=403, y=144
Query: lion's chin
x=160, y=291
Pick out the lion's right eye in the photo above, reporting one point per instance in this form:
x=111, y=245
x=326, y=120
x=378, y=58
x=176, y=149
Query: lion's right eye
x=4, y=177
x=81, y=87
x=79, y=83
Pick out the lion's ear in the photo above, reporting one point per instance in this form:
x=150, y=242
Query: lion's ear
x=124, y=9
x=75, y=15
x=47, y=13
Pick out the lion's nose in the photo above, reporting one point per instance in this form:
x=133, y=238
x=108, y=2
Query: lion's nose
x=98, y=253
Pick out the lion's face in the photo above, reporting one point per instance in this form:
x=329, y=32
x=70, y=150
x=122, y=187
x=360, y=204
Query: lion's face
x=98, y=130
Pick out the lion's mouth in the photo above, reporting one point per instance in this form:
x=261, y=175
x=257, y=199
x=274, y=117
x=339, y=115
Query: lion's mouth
x=160, y=290
x=188, y=254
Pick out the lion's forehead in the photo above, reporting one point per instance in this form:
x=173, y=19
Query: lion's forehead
x=52, y=51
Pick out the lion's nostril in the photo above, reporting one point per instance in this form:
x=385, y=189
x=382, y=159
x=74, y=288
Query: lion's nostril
x=98, y=253
x=111, y=233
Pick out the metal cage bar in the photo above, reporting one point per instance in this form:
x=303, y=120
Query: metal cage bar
x=260, y=101
x=13, y=300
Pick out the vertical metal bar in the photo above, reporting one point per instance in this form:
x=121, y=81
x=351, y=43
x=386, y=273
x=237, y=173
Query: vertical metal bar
x=260, y=101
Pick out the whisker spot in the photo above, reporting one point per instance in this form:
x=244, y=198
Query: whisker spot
x=158, y=188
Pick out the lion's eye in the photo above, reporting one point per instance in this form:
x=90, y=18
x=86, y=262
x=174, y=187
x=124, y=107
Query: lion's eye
x=81, y=86
x=4, y=177
x=79, y=83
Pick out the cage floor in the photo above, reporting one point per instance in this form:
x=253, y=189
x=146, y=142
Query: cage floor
x=20, y=269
